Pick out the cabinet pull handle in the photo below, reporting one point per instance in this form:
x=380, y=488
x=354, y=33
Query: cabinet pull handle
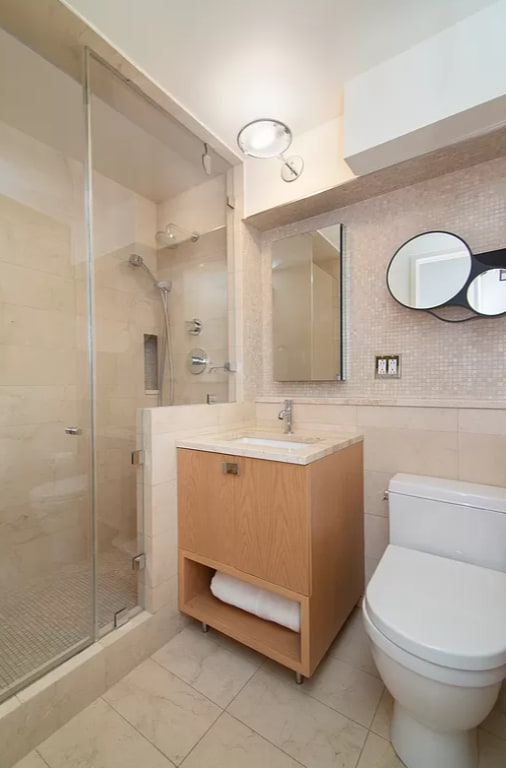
x=230, y=468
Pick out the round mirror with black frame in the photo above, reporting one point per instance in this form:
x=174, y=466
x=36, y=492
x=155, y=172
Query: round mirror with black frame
x=436, y=269
x=486, y=294
x=429, y=270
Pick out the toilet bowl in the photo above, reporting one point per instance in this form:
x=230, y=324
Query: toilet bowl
x=437, y=628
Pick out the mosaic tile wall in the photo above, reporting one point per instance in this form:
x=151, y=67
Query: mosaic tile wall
x=440, y=361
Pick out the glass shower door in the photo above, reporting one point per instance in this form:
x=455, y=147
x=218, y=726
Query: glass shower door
x=46, y=529
x=123, y=309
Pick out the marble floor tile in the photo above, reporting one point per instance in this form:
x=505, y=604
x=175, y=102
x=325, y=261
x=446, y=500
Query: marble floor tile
x=33, y=760
x=352, y=692
x=217, y=670
x=230, y=744
x=492, y=750
x=383, y=716
x=167, y=711
x=307, y=730
x=378, y=753
x=100, y=738
x=352, y=645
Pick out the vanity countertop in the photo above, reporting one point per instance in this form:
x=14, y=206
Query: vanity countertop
x=269, y=445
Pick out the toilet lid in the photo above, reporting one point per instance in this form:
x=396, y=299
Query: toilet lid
x=441, y=610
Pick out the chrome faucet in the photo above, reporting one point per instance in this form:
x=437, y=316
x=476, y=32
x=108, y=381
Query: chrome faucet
x=286, y=414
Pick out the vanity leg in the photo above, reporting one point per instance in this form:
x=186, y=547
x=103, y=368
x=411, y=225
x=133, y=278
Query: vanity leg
x=298, y=678
x=205, y=628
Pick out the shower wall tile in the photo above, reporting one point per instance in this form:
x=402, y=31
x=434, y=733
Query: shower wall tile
x=25, y=405
x=164, y=595
x=199, y=276
x=159, y=499
x=33, y=288
x=40, y=530
x=23, y=326
x=198, y=209
x=37, y=366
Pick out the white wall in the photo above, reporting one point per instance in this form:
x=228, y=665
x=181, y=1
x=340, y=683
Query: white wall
x=438, y=92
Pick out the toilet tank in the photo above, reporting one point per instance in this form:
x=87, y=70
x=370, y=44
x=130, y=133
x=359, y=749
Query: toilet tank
x=450, y=518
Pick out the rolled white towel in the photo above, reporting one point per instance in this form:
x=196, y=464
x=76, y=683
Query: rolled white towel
x=255, y=600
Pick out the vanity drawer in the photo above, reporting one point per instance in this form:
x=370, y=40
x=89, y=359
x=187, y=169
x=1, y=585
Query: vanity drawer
x=248, y=513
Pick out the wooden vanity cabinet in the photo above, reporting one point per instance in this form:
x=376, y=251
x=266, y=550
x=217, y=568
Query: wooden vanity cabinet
x=296, y=530
x=255, y=521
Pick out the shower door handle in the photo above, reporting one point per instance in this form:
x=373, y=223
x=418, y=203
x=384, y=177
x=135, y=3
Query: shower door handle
x=73, y=431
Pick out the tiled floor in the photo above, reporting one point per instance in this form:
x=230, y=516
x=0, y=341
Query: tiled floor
x=52, y=615
x=203, y=701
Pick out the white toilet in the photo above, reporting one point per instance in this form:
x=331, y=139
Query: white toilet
x=435, y=613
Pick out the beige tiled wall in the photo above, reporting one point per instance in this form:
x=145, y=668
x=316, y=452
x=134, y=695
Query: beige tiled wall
x=126, y=307
x=198, y=272
x=446, y=368
x=40, y=527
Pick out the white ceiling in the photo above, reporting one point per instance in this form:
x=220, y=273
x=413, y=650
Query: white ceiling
x=230, y=61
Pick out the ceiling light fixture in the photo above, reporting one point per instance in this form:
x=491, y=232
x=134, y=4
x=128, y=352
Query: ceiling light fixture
x=266, y=138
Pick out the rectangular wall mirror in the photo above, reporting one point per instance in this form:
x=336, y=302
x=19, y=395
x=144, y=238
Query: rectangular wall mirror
x=307, y=306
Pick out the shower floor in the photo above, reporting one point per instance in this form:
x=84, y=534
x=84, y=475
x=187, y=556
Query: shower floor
x=52, y=617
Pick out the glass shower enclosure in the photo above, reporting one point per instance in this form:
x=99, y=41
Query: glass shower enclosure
x=89, y=295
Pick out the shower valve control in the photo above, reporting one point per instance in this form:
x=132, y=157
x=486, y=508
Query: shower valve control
x=194, y=326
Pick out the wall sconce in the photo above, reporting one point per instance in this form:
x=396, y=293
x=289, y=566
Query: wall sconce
x=266, y=138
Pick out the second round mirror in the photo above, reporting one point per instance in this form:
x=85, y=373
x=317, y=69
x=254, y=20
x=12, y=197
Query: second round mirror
x=487, y=292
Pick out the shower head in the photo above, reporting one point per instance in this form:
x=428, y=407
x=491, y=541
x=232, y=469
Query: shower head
x=168, y=237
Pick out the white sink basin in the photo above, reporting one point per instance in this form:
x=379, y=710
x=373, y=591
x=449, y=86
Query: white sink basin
x=268, y=442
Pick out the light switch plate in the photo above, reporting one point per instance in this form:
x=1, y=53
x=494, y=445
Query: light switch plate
x=387, y=367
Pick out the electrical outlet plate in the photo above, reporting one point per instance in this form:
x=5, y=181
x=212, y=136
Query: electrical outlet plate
x=387, y=367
